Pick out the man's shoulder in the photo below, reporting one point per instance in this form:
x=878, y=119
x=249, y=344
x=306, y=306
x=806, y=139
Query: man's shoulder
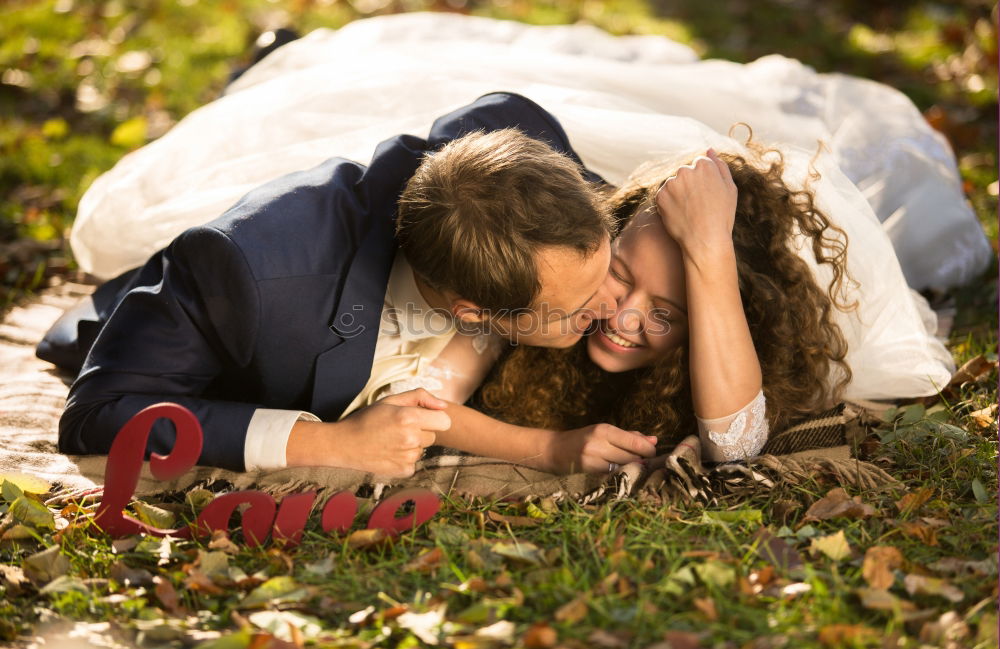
x=282, y=227
x=503, y=109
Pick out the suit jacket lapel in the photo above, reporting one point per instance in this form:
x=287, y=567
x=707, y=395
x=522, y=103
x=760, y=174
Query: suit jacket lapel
x=342, y=371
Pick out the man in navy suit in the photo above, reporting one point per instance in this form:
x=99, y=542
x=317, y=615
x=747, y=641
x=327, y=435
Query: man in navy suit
x=269, y=323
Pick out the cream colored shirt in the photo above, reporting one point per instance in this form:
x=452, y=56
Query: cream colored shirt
x=411, y=335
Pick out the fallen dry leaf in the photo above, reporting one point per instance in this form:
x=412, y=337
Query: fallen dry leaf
x=986, y=417
x=882, y=600
x=426, y=625
x=540, y=636
x=840, y=635
x=519, y=551
x=119, y=546
x=610, y=639
x=954, y=565
x=221, y=541
x=837, y=504
x=935, y=522
x=707, y=607
x=572, y=611
x=513, y=521
x=279, y=560
x=878, y=565
x=926, y=533
x=701, y=554
x=502, y=632
x=920, y=585
x=266, y=640
x=25, y=482
x=17, y=532
x=756, y=581
x=775, y=550
x=73, y=511
x=425, y=562
x=911, y=501
x=475, y=585
x=132, y=577
x=13, y=579
x=683, y=639
x=366, y=538
x=42, y=567
x=393, y=612
x=834, y=546
x=607, y=584
x=199, y=581
x=947, y=631
x=167, y=595
x=973, y=370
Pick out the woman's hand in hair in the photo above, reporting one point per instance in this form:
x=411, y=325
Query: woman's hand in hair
x=593, y=449
x=698, y=204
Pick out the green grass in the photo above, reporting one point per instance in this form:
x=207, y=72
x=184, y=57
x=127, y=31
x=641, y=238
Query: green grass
x=638, y=570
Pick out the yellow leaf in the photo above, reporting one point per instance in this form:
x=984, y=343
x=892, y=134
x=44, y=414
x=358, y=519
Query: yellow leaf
x=130, y=134
x=32, y=512
x=534, y=511
x=31, y=484
x=55, y=129
x=834, y=546
x=366, y=538
x=152, y=515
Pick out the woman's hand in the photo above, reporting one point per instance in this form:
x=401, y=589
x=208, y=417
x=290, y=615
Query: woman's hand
x=698, y=204
x=593, y=449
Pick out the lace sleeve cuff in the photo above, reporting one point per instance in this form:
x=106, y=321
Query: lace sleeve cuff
x=736, y=437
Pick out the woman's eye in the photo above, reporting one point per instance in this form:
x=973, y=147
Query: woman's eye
x=618, y=276
x=660, y=315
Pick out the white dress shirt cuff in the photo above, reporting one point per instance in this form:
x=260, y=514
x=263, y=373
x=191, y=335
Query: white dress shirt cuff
x=267, y=437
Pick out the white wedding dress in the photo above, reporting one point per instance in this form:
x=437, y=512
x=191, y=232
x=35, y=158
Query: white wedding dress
x=886, y=177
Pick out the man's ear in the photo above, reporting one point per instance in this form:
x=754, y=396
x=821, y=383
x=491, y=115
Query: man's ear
x=467, y=311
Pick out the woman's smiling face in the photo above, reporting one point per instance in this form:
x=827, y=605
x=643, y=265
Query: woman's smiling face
x=647, y=280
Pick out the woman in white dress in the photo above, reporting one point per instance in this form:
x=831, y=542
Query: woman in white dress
x=623, y=101
x=720, y=326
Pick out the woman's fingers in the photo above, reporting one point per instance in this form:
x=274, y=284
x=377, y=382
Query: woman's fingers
x=634, y=444
x=722, y=167
x=693, y=176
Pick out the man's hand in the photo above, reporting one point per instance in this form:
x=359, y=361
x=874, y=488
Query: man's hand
x=698, y=204
x=592, y=449
x=386, y=438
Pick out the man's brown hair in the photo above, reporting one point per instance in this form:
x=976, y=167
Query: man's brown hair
x=476, y=212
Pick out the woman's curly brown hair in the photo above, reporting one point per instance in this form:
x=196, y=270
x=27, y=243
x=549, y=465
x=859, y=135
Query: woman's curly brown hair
x=800, y=348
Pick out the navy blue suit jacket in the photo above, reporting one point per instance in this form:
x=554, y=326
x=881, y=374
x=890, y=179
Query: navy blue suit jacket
x=274, y=304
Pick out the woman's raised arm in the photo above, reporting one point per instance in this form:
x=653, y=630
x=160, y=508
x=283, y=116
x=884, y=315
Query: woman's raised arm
x=697, y=207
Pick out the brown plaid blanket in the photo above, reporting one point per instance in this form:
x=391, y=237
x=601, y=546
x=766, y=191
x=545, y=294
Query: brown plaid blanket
x=32, y=395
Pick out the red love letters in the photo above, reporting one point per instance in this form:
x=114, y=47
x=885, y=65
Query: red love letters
x=262, y=518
